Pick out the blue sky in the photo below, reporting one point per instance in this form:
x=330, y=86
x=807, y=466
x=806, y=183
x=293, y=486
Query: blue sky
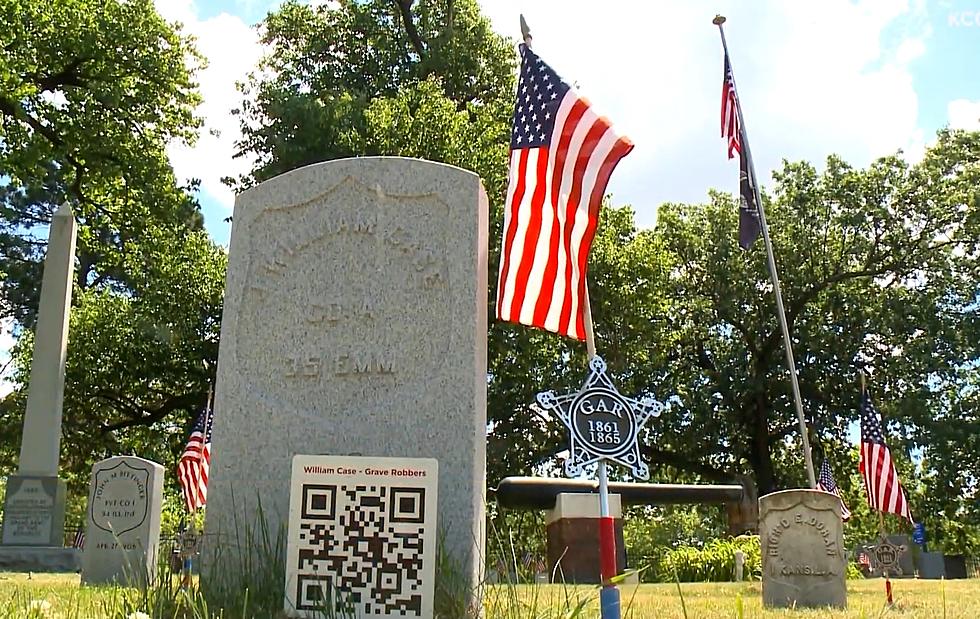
x=858, y=78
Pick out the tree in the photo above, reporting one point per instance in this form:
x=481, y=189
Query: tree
x=877, y=265
x=878, y=268
x=91, y=94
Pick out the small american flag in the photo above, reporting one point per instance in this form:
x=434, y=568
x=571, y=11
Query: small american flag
x=749, y=224
x=881, y=482
x=79, y=540
x=828, y=484
x=195, y=463
x=729, y=112
x=562, y=154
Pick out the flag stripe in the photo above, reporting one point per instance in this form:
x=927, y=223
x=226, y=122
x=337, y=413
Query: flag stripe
x=514, y=214
x=510, y=226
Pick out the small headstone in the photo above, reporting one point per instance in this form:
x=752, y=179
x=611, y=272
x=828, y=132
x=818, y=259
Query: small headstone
x=931, y=565
x=34, y=511
x=122, y=532
x=803, y=559
x=355, y=321
x=739, y=565
x=362, y=537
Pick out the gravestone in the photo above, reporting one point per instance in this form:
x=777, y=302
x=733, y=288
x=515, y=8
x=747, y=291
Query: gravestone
x=803, y=559
x=34, y=504
x=931, y=565
x=355, y=323
x=122, y=531
x=362, y=537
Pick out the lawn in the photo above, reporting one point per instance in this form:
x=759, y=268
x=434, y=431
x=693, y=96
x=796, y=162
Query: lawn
x=60, y=596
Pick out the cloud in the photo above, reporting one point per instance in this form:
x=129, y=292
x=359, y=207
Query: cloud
x=812, y=83
x=232, y=49
x=964, y=114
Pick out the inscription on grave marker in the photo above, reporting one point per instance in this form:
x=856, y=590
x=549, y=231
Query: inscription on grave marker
x=803, y=561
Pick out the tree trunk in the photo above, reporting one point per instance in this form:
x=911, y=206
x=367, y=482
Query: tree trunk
x=759, y=456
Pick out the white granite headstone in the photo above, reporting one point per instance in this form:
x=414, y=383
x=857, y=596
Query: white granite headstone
x=355, y=322
x=362, y=537
x=122, y=532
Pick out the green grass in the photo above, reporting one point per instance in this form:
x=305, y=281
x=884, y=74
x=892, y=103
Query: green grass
x=913, y=599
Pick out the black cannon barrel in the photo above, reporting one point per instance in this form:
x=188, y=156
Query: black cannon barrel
x=542, y=492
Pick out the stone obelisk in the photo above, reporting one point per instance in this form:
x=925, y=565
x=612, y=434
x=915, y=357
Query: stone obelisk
x=34, y=505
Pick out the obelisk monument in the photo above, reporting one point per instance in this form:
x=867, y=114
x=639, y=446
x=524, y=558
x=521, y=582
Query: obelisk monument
x=34, y=505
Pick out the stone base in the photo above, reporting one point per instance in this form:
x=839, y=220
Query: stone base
x=39, y=559
x=34, y=511
x=573, y=538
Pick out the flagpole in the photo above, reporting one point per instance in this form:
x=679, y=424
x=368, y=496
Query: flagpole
x=719, y=20
x=609, y=601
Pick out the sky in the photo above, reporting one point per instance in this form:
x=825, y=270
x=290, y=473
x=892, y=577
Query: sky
x=857, y=78
x=861, y=79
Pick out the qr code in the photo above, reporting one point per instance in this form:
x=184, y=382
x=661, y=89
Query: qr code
x=362, y=548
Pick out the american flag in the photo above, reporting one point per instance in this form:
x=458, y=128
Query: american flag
x=749, y=225
x=561, y=156
x=729, y=112
x=881, y=482
x=827, y=483
x=195, y=463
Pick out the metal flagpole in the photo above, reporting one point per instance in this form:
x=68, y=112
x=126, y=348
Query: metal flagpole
x=609, y=602
x=719, y=20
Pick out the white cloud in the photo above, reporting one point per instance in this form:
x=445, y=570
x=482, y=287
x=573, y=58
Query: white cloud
x=812, y=82
x=232, y=49
x=964, y=114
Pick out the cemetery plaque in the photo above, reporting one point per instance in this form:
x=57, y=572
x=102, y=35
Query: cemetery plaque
x=803, y=559
x=603, y=424
x=34, y=510
x=362, y=537
x=355, y=321
x=123, y=524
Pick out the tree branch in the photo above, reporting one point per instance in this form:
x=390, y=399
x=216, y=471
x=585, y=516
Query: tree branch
x=405, y=8
x=145, y=416
x=678, y=461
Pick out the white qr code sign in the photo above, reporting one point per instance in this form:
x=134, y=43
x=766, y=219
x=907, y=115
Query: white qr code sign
x=362, y=537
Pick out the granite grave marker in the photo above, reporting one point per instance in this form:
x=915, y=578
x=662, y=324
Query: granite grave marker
x=803, y=559
x=122, y=532
x=355, y=322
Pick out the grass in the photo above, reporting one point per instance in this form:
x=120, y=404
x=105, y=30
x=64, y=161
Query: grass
x=955, y=599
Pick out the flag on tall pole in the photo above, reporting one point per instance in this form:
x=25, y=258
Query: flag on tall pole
x=885, y=492
x=749, y=227
x=195, y=463
x=561, y=156
x=827, y=483
x=752, y=223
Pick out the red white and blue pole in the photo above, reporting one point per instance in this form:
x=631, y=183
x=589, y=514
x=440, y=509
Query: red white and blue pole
x=609, y=594
x=609, y=600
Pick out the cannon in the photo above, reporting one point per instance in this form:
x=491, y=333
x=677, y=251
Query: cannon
x=542, y=492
